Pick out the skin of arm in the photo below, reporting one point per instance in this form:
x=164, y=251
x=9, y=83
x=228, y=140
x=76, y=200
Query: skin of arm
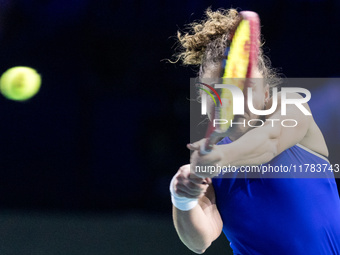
x=259, y=145
x=200, y=226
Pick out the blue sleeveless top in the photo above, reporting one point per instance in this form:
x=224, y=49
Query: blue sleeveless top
x=295, y=216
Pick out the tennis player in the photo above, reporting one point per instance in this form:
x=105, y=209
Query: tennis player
x=258, y=215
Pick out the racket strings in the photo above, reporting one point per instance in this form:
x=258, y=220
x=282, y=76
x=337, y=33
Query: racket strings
x=234, y=71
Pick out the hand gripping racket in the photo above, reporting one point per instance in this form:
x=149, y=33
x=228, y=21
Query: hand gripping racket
x=242, y=57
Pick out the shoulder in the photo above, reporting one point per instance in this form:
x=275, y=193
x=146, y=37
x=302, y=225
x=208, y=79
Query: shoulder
x=291, y=120
x=300, y=111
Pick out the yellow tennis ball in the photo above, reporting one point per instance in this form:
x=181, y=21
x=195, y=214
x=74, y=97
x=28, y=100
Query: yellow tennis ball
x=20, y=83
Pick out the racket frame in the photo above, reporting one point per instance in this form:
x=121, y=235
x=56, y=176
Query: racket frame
x=214, y=134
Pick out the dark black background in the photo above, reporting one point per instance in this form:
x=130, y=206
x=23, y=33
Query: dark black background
x=109, y=126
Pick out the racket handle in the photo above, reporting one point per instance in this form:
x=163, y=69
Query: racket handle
x=206, y=148
x=209, y=144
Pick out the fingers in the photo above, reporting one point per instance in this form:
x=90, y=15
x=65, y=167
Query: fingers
x=191, y=190
x=196, y=145
x=187, y=173
x=208, y=180
x=195, y=179
x=205, y=160
x=192, y=146
x=188, y=185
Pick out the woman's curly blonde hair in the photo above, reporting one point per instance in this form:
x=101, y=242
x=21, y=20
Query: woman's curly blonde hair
x=205, y=43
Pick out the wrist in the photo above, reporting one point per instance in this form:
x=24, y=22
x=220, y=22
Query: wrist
x=181, y=203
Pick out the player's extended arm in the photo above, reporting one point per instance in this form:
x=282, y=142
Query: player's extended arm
x=198, y=222
x=261, y=144
x=200, y=226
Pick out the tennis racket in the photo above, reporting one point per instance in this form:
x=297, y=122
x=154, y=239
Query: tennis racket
x=241, y=59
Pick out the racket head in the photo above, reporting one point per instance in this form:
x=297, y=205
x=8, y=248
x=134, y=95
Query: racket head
x=241, y=59
x=255, y=41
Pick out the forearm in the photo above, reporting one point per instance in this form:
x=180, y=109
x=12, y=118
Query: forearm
x=256, y=147
x=262, y=144
x=194, y=228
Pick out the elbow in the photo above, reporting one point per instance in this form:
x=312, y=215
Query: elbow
x=270, y=154
x=274, y=148
x=200, y=250
x=266, y=157
x=272, y=151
